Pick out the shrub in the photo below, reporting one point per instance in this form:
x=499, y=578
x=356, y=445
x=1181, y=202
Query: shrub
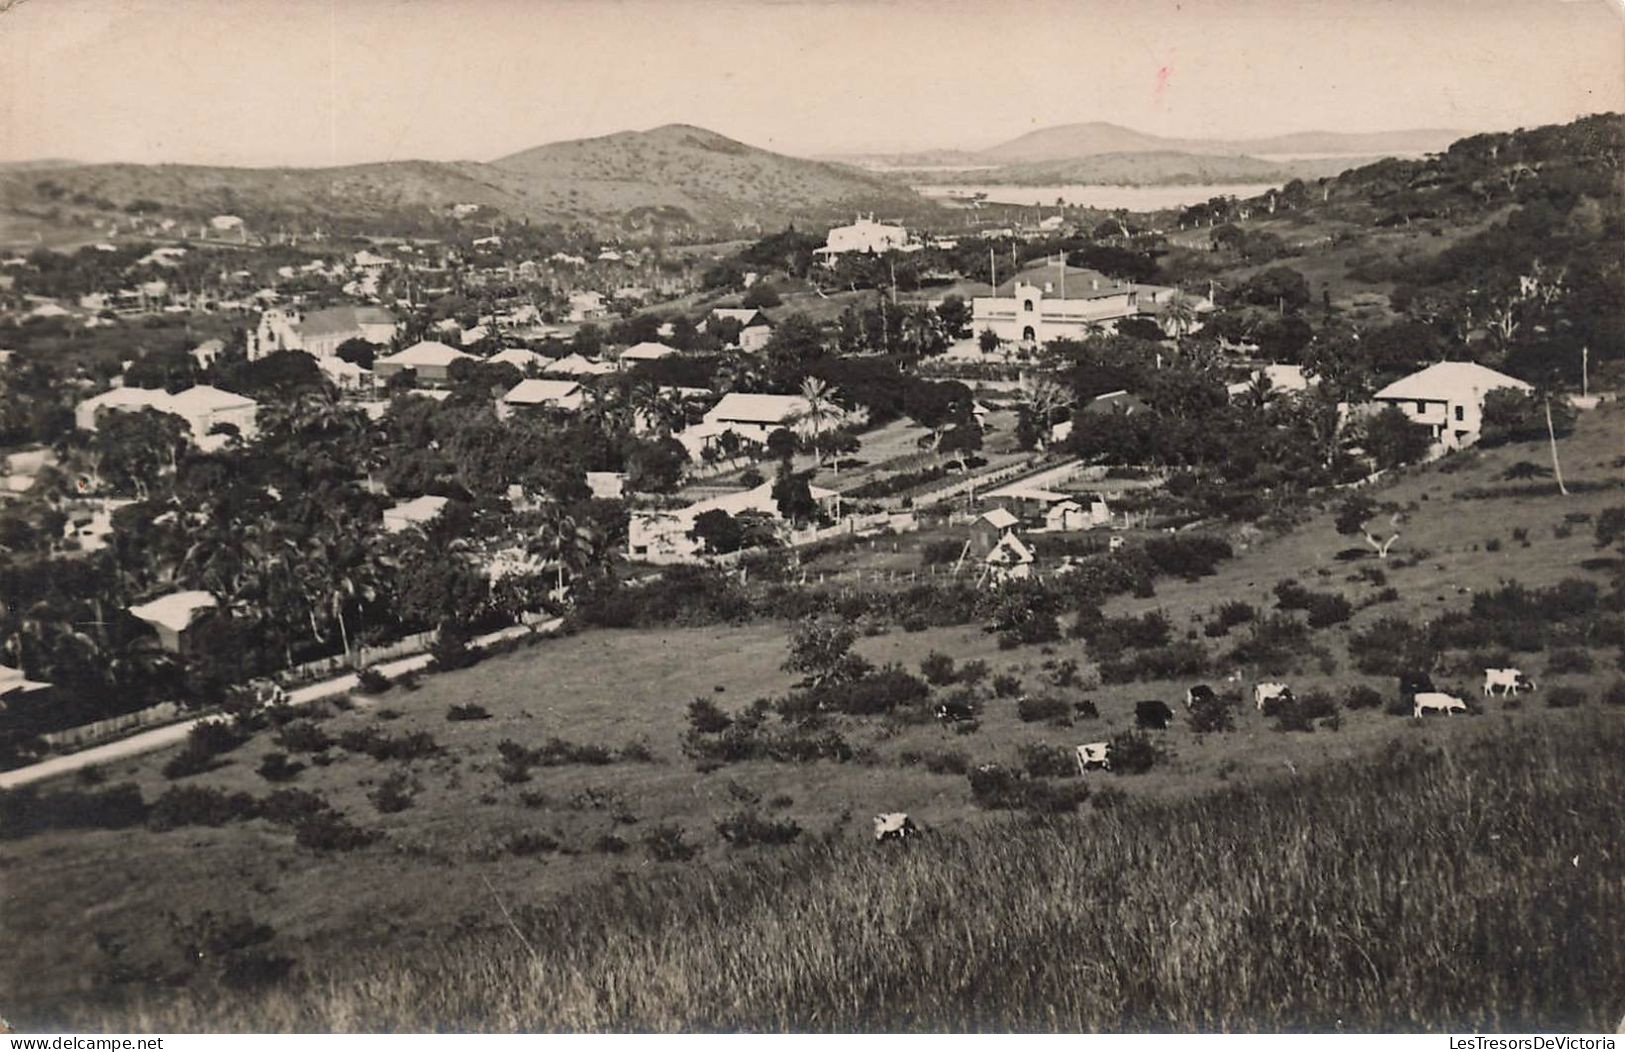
x=289, y=807
x=194, y=805
x=1001, y=788
x=24, y=812
x=941, y=552
x=465, y=713
x=1567, y=660
x=371, y=681
x=528, y=843
x=450, y=651
x=1135, y=752
x=1317, y=705
x=1389, y=647
x=393, y=794
x=610, y=844
x=873, y=693
x=1615, y=694
x=1033, y=708
x=1227, y=616
x=1291, y=595
x=937, y=668
x=205, y=741
x=1362, y=697
x=330, y=831
x=1565, y=697
x=1328, y=608
x=1042, y=760
x=1210, y=715
x=380, y=746
x=706, y=717
x=302, y=736
x=747, y=828
x=1006, y=685
x=973, y=672
x=948, y=761
x=665, y=843
x=276, y=767
x=1188, y=556
x=1179, y=659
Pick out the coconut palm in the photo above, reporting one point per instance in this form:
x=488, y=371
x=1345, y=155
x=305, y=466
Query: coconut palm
x=1178, y=315
x=820, y=409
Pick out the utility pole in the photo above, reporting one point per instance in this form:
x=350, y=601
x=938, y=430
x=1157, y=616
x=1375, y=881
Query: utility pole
x=1585, y=372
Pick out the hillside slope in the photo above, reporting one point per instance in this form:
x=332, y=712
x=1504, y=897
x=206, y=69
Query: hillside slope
x=676, y=176
x=1158, y=168
x=1098, y=137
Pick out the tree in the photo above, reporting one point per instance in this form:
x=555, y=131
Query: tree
x=821, y=650
x=135, y=449
x=1351, y=519
x=988, y=341
x=718, y=531
x=1178, y=315
x=357, y=351
x=955, y=315
x=820, y=409
x=792, y=493
x=761, y=295
x=959, y=442
x=1392, y=438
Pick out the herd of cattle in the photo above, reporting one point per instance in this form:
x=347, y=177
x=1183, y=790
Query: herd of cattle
x=1158, y=715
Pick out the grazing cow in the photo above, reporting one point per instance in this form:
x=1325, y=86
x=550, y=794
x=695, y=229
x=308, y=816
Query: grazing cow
x=955, y=711
x=894, y=825
x=1506, y=680
x=1437, y=701
x=1093, y=755
x=1265, y=693
x=1154, y=715
x=1200, y=692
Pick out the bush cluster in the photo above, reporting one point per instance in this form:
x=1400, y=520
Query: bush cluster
x=747, y=828
x=999, y=788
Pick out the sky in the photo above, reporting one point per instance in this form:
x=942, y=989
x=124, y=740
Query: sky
x=318, y=82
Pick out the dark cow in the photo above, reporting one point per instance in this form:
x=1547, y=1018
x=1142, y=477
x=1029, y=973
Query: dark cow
x=1153, y=715
x=1086, y=709
x=955, y=711
x=1200, y=692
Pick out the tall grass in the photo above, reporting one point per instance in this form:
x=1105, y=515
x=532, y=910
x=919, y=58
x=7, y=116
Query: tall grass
x=1451, y=889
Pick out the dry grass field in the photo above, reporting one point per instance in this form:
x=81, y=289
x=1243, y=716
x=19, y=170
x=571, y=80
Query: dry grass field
x=1090, y=906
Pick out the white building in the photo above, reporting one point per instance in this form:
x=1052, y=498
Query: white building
x=417, y=512
x=587, y=306
x=535, y=394
x=865, y=235
x=1054, y=301
x=663, y=536
x=202, y=407
x=1448, y=397
x=751, y=417
x=646, y=351
x=429, y=359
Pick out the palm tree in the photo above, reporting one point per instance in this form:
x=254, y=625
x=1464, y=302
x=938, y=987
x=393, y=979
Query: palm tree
x=1178, y=315
x=820, y=409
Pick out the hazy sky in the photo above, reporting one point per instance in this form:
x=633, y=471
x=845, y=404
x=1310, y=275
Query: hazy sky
x=338, y=81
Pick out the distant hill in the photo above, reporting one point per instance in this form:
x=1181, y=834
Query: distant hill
x=1314, y=153
x=1152, y=168
x=703, y=174
x=674, y=177
x=1097, y=137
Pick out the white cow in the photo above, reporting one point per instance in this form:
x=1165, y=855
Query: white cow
x=1438, y=702
x=894, y=825
x=1507, y=680
x=1267, y=692
x=1095, y=754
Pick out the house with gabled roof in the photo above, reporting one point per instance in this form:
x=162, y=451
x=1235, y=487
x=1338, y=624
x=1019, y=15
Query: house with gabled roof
x=1448, y=398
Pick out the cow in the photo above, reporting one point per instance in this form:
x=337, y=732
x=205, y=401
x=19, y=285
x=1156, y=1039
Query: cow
x=955, y=711
x=1200, y=692
x=1508, y=680
x=1154, y=715
x=894, y=825
x=1086, y=709
x=1436, y=701
x=1094, y=755
x=1264, y=693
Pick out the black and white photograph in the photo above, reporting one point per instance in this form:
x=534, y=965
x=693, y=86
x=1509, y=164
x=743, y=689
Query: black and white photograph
x=812, y=517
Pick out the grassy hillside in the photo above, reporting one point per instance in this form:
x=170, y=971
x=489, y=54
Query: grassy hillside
x=675, y=176
x=703, y=174
x=1376, y=870
x=1429, y=888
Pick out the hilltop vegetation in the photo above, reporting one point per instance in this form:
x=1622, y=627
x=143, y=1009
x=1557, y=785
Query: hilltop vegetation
x=675, y=179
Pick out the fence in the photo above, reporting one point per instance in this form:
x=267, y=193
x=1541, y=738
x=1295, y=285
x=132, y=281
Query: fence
x=101, y=730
